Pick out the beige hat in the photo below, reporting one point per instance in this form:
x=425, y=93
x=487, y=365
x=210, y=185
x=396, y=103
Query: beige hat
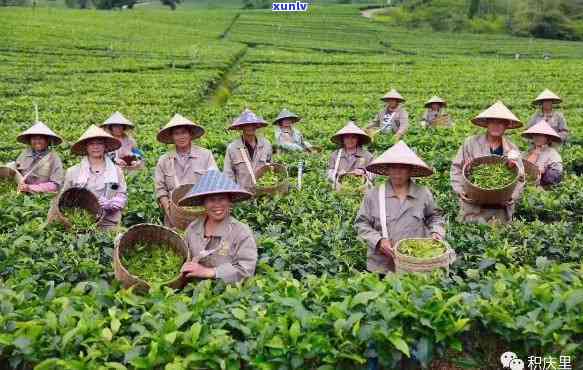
x=547, y=95
x=400, y=154
x=94, y=132
x=165, y=134
x=117, y=119
x=393, y=94
x=351, y=129
x=247, y=118
x=39, y=128
x=435, y=99
x=542, y=128
x=497, y=111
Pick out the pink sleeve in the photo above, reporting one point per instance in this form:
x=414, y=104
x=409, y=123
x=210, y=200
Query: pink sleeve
x=45, y=187
x=118, y=201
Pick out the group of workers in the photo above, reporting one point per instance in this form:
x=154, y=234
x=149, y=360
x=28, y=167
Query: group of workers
x=223, y=247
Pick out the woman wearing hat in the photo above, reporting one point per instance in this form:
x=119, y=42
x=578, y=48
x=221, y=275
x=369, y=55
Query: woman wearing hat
x=222, y=247
x=543, y=155
x=118, y=126
x=247, y=153
x=287, y=136
x=41, y=167
x=393, y=118
x=397, y=209
x=547, y=100
x=435, y=114
x=186, y=164
x=99, y=174
x=496, y=119
x=351, y=157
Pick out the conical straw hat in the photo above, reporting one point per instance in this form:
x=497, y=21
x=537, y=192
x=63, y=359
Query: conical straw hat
x=400, y=154
x=117, y=119
x=393, y=94
x=435, y=99
x=497, y=111
x=247, y=118
x=94, y=132
x=286, y=114
x=213, y=182
x=547, y=95
x=351, y=129
x=542, y=128
x=39, y=128
x=165, y=134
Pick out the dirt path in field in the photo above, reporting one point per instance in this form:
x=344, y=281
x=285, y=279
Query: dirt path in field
x=368, y=13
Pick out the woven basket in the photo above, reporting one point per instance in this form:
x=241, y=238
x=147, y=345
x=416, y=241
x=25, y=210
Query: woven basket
x=281, y=188
x=532, y=172
x=181, y=217
x=147, y=233
x=75, y=198
x=441, y=121
x=405, y=263
x=495, y=197
x=342, y=177
x=10, y=173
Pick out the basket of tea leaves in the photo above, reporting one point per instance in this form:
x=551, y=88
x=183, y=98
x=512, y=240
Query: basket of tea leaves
x=147, y=255
x=271, y=179
x=489, y=180
x=422, y=255
x=350, y=183
x=9, y=180
x=77, y=209
x=531, y=172
x=180, y=216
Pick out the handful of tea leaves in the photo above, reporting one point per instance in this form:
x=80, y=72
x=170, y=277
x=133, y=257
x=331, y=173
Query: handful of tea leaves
x=426, y=248
x=153, y=262
x=492, y=176
x=269, y=179
x=80, y=219
x=351, y=184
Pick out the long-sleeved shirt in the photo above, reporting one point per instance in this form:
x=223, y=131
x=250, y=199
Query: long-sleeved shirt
x=396, y=121
x=555, y=119
x=43, y=174
x=348, y=162
x=236, y=168
x=416, y=217
x=173, y=170
x=232, y=249
x=472, y=148
x=115, y=193
x=290, y=139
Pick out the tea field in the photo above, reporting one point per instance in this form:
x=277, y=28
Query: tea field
x=311, y=305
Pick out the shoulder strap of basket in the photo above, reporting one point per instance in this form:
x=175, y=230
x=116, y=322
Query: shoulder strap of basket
x=37, y=165
x=176, y=182
x=336, y=165
x=248, y=164
x=383, y=211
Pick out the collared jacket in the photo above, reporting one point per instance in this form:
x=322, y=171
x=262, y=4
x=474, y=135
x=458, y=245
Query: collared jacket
x=235, y=166
x=348, y=162
x=399, y=121
x=472, y=148
x=169, y=174
x=232, y=250
x=290, y=139
x=550, y=166
x=48, y=169
x=417, y=217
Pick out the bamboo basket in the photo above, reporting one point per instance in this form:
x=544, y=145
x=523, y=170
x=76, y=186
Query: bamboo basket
x=10, y=173
x=532, y=172
x=406, y=263
x=74, y=198
x=344, y=176
x=147, y=233
x=480, y=196
x=281, y=188
x=179, y=216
